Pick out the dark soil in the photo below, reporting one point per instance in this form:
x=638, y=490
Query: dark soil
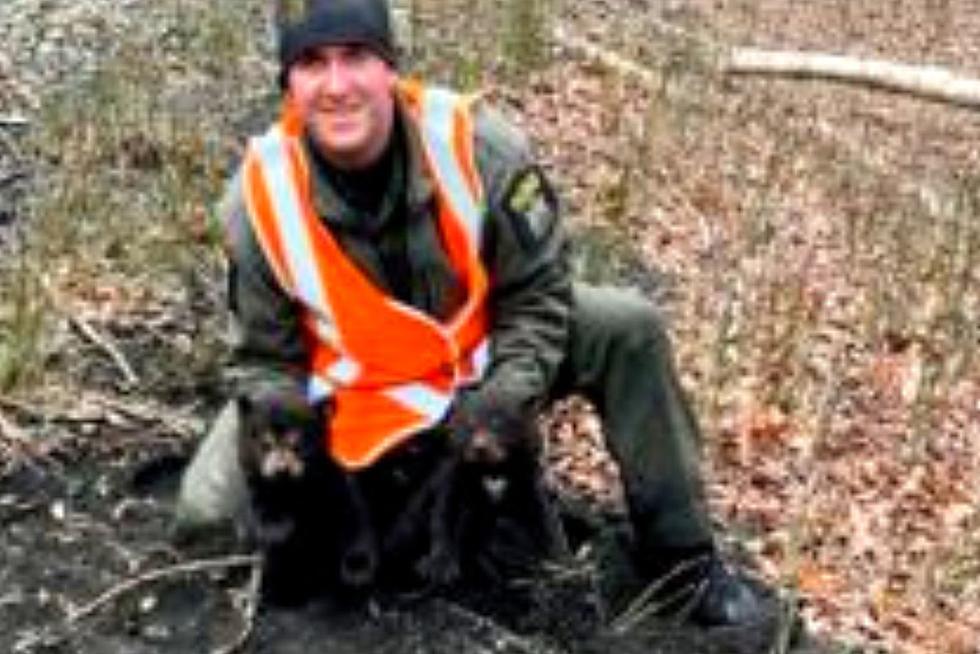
x=76, y=525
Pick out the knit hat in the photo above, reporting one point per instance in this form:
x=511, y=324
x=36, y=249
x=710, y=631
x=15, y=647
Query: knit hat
x=304, y=24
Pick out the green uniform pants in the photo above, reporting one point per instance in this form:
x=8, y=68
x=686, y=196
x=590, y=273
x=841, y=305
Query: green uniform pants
x=213, y=491
x=620, y=359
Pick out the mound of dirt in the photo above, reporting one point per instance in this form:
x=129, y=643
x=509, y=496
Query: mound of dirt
x=89, y=567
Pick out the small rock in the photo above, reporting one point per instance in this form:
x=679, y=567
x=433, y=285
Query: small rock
x=58, y=510
x=156, y=632
x=148, y=603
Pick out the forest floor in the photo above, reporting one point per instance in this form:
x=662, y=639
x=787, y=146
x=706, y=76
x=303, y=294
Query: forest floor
x=814, y=247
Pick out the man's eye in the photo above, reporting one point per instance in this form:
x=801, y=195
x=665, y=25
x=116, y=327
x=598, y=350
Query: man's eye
x=308, y=60
x=358, y=53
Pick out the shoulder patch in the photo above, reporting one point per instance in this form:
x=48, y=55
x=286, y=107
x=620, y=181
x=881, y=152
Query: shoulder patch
x=532, y=207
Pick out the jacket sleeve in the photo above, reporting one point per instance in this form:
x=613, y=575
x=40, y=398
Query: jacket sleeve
x=524, y=249
x=268, y=350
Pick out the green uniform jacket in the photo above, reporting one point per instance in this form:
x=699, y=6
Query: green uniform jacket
x=523, y=249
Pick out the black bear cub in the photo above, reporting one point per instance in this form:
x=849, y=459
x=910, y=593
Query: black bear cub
x=307, y=515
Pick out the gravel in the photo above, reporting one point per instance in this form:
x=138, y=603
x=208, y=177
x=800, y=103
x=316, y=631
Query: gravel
x=49, y=46
x=49, y=42
x=46, y=44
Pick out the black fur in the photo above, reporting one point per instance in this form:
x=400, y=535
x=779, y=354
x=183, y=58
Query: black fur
x=308, y=515
x=424, y=517
x=483, y=513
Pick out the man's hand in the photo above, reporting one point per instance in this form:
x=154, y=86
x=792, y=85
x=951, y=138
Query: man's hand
x=486, y=430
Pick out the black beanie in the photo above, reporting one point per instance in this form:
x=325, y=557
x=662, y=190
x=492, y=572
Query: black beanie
x=304, y=24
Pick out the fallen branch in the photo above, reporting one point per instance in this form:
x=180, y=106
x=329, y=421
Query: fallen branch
x=190, y=567
x=930, y=82
x=89, y=332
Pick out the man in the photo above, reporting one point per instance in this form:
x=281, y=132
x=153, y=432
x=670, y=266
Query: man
x=395, y=250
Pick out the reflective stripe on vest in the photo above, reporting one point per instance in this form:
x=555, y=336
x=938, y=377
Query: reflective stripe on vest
x=438, y=125
x=391, y=369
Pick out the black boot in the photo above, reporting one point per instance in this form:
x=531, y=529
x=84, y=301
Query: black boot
x=724, y=598
x=686, y=585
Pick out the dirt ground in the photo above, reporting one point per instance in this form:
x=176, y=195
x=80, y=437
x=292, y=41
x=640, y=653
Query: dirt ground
x=89, y=567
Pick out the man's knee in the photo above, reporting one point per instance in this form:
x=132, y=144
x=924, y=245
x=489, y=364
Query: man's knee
x=212, y=490
x=618, y=318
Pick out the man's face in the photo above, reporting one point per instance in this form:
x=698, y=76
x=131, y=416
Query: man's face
x=345, y=94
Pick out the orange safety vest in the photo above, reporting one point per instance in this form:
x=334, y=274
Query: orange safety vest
x=391, y=369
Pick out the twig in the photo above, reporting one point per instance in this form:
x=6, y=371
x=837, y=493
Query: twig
x=147, y=414
x=23, y=408
x=12, y=177
x=89, y=332
x=181, y=426
x=13, y=120
x=606, y=58
x=642, y=607
x=16, y=445
x=11, y=432
x=250, y=604
x=202, y=565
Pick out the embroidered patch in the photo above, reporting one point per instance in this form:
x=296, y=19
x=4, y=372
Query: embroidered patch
x=532, y=207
